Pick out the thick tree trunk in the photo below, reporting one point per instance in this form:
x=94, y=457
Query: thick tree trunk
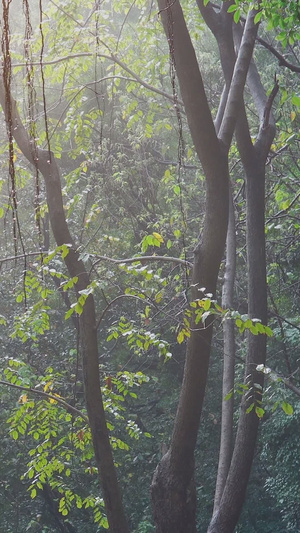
x=173, y=491
x=174, y=497
x=228, y=507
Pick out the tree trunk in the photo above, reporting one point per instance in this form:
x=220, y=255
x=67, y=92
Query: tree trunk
x=228, y=512
x=253, y=158
x=173, y=490
x=45, y=162
x=226, y=442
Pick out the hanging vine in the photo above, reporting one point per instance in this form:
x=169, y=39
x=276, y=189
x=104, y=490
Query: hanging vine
x=12, y=186
x=181, y=144
x=31, y=102
x=43, y=77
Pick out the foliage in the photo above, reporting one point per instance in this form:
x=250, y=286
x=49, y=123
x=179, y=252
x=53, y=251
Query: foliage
x=125, y=194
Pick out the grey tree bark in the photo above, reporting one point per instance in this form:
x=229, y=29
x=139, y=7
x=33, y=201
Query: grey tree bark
x=173, y=491
x=230, y=498
x=226, y=440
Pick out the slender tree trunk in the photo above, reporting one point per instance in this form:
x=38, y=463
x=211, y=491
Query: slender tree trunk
x=228, y=512
x=254, y=159
x=47, y=165
x=226, y=442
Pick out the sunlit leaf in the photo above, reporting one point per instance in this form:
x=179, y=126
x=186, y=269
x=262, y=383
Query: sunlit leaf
x=259, y=411
x=158, y=236
x=287, y=408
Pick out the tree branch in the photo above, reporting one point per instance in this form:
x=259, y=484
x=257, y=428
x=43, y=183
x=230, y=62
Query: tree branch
x=209, y=15
x=240, y=72
x=48, y=396
x=268, y=107
x=281, y=59
x=22, y=256
x=283, y=211
x=209, y=19
x=191, y=87
x=115, y=300
x=113, y=58
x=142, y=259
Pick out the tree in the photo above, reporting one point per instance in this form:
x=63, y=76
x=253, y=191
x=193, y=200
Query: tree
x=44, y=161
x=174, y=469
x=173, y=489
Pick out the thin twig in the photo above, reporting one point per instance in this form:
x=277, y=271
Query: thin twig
x=281, y=59
x=111, y=57
x=142, y=259
x=113, y=301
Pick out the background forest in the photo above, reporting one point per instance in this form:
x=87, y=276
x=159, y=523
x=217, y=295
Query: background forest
x=108, y=212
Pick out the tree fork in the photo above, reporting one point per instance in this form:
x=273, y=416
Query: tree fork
x=173, y=494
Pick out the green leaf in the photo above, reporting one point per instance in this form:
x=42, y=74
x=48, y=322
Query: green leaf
x=259, y=411
x=258, y=17
x=65, y=250
x=180, y=337
x=232, y=8
x=69, y=313
x=237, y=16
x=207, y=304
x=104, y=523
x=296, y=100
x=198, y=317
x=229, y=395
x=79, y=308
x=250, y=408
x=158, y=236
x=254, y=330
x=287, y=408
x=268, y=331
x=260, y=327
